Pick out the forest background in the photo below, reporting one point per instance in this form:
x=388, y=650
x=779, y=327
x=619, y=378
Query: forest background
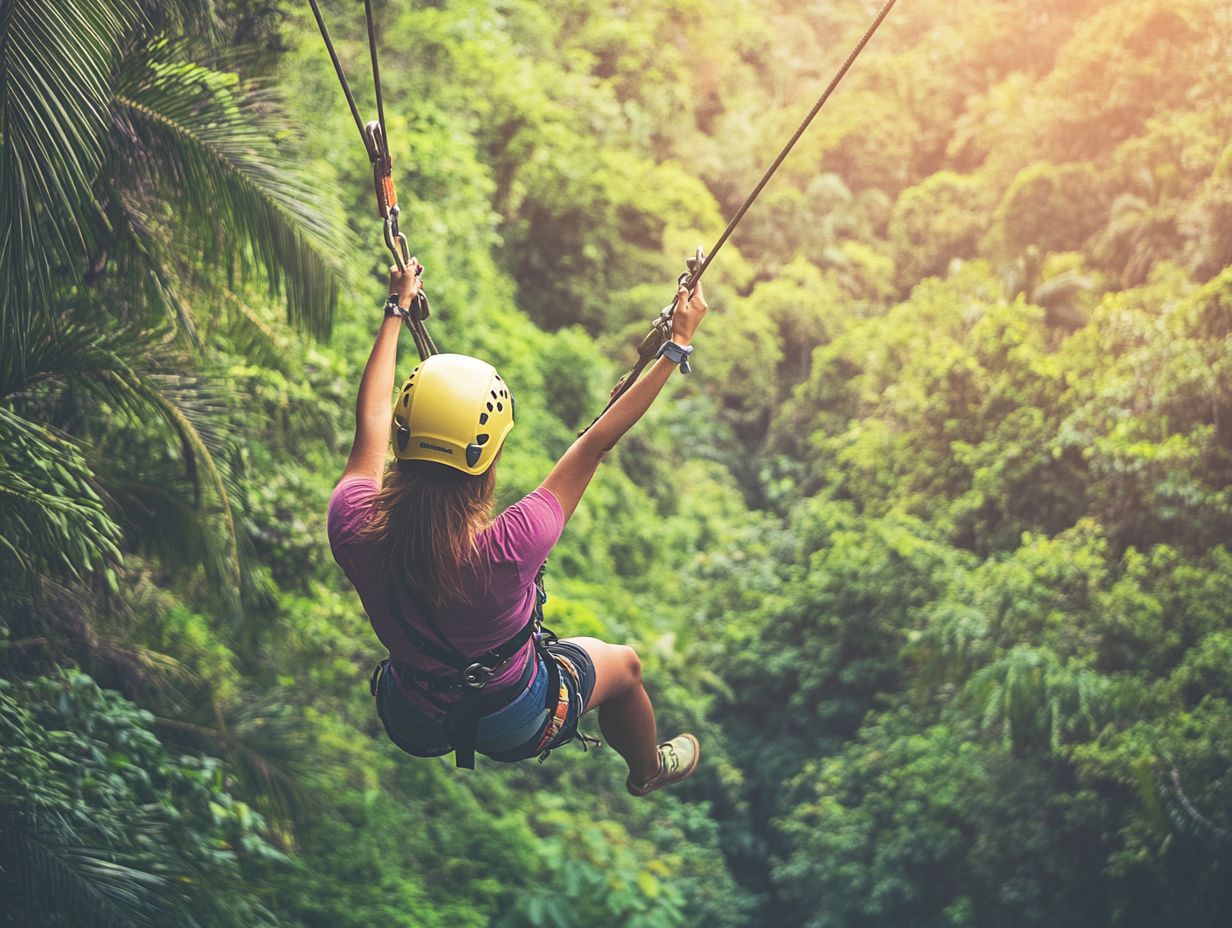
x=931, y=550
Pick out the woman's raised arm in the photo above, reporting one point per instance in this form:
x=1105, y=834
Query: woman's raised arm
x=374, y=405
x=573, y=472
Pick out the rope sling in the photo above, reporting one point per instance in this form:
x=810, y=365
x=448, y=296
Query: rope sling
x=376, y=143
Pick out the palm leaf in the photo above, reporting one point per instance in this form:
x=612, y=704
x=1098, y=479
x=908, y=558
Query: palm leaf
x=138, y=377
x=64, y=879
x=56, y=61
x=195, y=140
x=51, y=516
x=263, y=739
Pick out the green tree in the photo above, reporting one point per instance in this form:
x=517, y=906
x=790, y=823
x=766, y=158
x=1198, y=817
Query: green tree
x=934, y=223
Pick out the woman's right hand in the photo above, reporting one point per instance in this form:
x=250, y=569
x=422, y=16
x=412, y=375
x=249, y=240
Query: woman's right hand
x=688, y=314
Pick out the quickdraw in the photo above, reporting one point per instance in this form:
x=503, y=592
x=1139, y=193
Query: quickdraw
x=662, y=328
x=376, y=144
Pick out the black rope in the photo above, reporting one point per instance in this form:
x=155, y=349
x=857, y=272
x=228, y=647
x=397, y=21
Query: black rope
x=791, y=143
x=378, y=154
x=346, y=87
x=662, y=329
x=376, y=73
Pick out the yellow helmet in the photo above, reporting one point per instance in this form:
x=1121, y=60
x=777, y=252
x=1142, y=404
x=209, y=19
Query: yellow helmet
x=454, y=410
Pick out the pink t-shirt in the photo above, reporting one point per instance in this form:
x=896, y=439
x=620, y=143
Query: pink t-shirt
x=501, y=578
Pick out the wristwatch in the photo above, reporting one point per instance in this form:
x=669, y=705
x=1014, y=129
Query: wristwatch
x=677, y=354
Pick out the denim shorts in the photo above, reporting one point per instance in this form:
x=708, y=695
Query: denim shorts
x=511, y=733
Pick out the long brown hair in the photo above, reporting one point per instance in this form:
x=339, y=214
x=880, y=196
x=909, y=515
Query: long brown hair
x=427, y=518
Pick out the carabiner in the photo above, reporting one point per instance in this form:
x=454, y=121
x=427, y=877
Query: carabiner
x=395, y=241
x=476, y=676
x=693, y=263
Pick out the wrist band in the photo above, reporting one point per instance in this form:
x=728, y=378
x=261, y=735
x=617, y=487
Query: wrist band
x=392, y=308
x=677, y=354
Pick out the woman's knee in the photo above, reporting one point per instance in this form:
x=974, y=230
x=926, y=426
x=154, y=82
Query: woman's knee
x=617, y=666
x=631, y=663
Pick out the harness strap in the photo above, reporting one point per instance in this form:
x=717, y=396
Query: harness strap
x=463, y=720
x=463, y=715
x=480, y=668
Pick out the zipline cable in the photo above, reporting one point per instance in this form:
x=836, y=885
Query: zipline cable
x=346, y=87
x=791, y=143
x=376, y=143
x=661, y=331
x=376, y=68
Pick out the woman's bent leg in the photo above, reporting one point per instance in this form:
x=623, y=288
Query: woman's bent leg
x=626, y=717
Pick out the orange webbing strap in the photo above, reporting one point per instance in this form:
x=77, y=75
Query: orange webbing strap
x=561, y=714
x=382, y=169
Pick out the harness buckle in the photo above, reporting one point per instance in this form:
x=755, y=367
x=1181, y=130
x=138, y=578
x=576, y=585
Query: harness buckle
x=476, y=676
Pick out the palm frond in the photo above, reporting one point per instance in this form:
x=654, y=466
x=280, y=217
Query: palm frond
x=251, y=336
x=65, y=879
x=56, y=62
x=262, y=738
x=199, y=150
x=199, y=17
x=60, y=862
x=141, y=380
x=51, y=516
x=1185, y=815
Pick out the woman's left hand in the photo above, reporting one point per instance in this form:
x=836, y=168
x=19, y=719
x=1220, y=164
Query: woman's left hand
x=407, y=284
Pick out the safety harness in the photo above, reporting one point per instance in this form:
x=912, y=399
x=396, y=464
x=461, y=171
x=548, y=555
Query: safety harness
x=467, y=702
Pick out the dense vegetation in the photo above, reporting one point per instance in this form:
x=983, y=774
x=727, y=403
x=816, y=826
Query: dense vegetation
x=932, y=551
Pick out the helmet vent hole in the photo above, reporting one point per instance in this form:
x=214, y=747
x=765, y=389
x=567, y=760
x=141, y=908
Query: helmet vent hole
x=493, y=394
x=500, y=407
x=481, y=439
x=483, y=418
x=490, y=407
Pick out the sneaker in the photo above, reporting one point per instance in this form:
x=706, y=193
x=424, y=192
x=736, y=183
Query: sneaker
x=677, y=760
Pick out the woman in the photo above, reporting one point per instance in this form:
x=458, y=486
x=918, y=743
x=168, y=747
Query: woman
x=454, y=593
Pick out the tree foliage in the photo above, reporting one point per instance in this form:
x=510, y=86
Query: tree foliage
x=932, y=550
